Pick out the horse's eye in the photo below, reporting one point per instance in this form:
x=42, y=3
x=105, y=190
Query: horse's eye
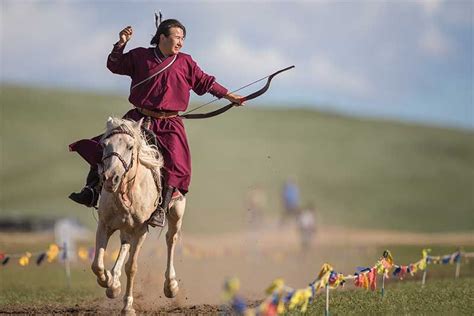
x=130, y=147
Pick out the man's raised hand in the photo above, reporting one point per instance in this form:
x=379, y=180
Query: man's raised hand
x=125, y=35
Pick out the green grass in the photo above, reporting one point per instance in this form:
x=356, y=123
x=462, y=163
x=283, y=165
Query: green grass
x=363, y=173
x=39, y=288
x=45, y=285
x=441, y=294
x=450, y=297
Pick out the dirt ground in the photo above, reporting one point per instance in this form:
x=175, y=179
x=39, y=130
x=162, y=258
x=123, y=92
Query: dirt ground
x=256, y=257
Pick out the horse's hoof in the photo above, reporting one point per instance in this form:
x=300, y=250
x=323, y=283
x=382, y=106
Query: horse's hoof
x=102, y=283
x=108, y=280
x=113, y=292
x=105, y=283
x=128, y=312
x=171, y=288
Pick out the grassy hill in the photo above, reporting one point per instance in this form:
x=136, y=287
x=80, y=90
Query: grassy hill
x=363, y=173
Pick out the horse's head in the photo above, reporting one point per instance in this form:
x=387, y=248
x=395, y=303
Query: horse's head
x=120, y=147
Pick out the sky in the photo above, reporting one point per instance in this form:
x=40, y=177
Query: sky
x=403, y=60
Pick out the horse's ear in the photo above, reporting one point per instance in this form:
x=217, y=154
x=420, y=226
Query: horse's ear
x=139, y=123
x=110, y=122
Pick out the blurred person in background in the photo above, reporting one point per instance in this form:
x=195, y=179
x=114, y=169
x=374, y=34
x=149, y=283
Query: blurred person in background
x=162, y=78
x=307, y=226
x=255, y=204
x=291, y=200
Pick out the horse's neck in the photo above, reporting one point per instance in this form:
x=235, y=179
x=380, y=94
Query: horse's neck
x=138, y=188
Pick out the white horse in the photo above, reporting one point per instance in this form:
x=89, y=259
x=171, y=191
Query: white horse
x=131, y=192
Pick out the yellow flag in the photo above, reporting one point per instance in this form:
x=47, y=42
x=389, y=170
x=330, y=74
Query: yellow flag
x=83, y=253
x=280, y=307
x=422, y=263
x=231, y=287
x=339, y=280
x=324, y=270
x=300, y=298
x=306, y=296
x=25, y=259
x=277, y=285
x=388, y=257
x=52, y=252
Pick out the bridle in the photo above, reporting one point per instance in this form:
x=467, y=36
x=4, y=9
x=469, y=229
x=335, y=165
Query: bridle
x=126, y=166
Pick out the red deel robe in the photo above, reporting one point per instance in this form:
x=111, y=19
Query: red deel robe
x=168, y=91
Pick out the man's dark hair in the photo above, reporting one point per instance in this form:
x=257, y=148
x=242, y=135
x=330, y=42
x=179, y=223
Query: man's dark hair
x=164, y=29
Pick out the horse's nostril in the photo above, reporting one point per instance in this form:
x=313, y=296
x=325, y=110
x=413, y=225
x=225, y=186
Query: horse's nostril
x=115, y=179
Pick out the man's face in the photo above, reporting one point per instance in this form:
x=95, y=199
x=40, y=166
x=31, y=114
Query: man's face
x=172, y=44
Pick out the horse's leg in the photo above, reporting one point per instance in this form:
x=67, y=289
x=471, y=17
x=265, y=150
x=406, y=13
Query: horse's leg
x=114, y=290
x=104, y=277
x=131, y=270
x=175, y=219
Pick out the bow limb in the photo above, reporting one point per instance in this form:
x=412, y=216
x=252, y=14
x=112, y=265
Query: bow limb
x=231, y=105
x=208, y=114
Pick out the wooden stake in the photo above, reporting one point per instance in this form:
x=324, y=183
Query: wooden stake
x=67, y=266
x=424, y=277
x=326, y=312
x=458, y=269
x=383, y=284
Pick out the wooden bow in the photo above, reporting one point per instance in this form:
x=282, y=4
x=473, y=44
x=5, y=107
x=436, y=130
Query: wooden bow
x=229, y=106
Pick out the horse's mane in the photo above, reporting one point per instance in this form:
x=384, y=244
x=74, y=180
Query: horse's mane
x=148, y=155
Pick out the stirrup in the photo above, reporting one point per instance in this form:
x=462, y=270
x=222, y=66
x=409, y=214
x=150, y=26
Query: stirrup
x=157, y=219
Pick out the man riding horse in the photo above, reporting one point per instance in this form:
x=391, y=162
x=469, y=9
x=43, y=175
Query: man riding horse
x=162, y=78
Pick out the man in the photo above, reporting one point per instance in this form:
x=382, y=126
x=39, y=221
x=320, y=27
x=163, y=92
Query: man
x=291, y=200
x=162, y=78
x=307, y=225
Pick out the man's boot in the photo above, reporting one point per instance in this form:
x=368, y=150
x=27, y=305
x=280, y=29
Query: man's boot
x=158, y=217
x=89, y=195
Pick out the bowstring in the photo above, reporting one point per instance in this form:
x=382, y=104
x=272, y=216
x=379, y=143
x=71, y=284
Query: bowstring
x=197, y=108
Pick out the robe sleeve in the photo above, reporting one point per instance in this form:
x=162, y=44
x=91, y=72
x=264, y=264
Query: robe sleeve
x=120, y=63
x=202, y=83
